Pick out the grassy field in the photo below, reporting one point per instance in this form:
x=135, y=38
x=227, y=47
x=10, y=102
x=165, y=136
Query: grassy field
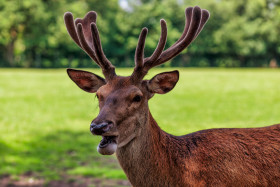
x=45, y=117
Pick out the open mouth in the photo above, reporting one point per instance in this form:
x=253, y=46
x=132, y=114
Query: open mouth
x=107, y=145
x=107, y=140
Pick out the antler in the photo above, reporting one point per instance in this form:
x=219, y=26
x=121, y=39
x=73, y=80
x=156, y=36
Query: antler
x=195, y=20
x=85, y=34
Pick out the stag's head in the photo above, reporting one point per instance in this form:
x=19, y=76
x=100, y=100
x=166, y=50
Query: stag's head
x=123, y=101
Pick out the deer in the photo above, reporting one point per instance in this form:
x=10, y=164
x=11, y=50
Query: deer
x=148, y=155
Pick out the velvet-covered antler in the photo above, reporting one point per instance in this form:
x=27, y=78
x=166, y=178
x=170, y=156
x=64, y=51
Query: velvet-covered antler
x=195, y=20
x=85, y=34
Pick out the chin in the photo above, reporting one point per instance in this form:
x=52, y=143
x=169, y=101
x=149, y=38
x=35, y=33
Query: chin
x=108, y=150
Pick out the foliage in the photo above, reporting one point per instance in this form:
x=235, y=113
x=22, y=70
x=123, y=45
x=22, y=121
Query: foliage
x=239, y=33
x=45, y=117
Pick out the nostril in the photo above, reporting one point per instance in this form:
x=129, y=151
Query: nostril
x=101, y=128
x=110, y=123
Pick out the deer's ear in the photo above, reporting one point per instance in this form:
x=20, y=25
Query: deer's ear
x=87, y=81
x=163, y=82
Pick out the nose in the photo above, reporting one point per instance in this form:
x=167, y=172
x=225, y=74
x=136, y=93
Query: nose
x=99, y=129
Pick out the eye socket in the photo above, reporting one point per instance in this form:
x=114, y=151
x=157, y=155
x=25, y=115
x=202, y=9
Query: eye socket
x=137, y=98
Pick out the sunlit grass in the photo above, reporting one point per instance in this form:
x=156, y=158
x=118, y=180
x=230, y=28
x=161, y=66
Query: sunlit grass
x=45, y=117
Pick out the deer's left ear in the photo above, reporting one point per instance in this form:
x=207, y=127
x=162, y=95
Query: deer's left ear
x=87, y=81
x=163, y=82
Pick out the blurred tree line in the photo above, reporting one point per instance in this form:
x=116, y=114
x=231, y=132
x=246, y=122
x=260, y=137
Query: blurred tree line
x=239, y=33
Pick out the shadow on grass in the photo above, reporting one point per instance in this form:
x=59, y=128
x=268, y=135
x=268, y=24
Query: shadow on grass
x=4, y=147
x=55, y=155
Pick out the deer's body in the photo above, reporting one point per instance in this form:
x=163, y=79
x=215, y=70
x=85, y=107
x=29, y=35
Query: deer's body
x=214, y=157
x=149, y=156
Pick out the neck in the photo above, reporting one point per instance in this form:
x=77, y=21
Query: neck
x=152, y=156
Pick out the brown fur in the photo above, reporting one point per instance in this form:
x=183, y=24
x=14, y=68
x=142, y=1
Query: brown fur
x=214, y=157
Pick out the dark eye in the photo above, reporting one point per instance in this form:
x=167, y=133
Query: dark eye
x=137, y=98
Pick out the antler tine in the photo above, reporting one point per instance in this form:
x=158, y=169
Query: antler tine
x=108, y=69
x=69, y=22
x=161, y=43
x=188, y=15
x=139, y=56
x=204, y=18
x=85, y=33
x=85, y=45
x=139, y=52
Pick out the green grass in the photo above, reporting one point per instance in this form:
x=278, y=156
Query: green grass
x=45, y=117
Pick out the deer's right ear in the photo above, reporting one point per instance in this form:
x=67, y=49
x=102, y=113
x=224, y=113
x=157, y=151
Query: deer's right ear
x=87, y=81
x=163, y=82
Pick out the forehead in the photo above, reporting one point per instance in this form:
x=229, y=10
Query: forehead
x=118, y=83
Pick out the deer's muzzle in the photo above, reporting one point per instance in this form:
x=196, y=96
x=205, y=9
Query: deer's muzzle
x=107, y=145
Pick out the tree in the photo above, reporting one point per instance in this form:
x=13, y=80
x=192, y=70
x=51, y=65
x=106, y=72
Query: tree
x=239, y=33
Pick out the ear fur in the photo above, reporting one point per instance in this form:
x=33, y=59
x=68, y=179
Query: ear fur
x=163, y=82
x=87, y=81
